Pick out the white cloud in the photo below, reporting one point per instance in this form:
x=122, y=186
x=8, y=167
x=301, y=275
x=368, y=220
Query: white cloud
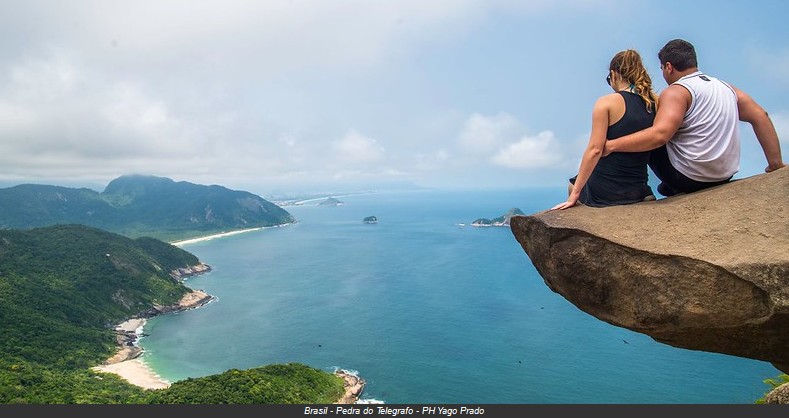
x=15, y=119
x=147, y=120
x=103, y=88
x=220, y=90
x=264, y=38
x=485, y=133
x=61, y=118
x=541, y=151
x=433, y=161
x=501, y=140
x=46, y=78
x=355, y=148
x=288, y=139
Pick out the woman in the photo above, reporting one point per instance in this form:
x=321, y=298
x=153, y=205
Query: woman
x=621, y=177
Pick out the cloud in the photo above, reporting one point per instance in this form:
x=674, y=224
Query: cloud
x=427, y=162
x=501, y=140
x=531, y=152
x=482, y=133
x=357, y=149
x=264, y=38
x=61, y=118
x=108, y=87
x=241, y=90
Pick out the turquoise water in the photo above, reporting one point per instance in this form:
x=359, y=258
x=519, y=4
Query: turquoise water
x=427, y=310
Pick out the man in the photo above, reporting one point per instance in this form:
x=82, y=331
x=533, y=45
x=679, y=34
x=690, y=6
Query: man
x=695, y=137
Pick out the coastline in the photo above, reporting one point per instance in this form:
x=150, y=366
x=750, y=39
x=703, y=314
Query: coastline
x=354, y=385
x=136, y=372
x=126, y=362
x=223, y=234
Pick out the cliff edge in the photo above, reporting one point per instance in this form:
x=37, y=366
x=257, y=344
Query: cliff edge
x=704, y=271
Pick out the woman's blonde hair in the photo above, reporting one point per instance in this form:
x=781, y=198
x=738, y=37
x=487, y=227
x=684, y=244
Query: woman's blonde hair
x=629, y=65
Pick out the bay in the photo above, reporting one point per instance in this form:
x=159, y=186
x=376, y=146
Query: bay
x=426, y=309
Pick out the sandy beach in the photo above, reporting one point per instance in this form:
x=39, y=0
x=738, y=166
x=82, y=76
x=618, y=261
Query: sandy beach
x=135, y=372
x=126, y=362
x=224, y=234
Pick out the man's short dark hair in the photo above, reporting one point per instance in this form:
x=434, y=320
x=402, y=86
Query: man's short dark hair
x=680, y=53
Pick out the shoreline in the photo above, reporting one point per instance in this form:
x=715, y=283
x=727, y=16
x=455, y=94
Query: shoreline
x=126, y=362
x=210, y=237
x=354, y=386
x=136, y=372
x=223, y=234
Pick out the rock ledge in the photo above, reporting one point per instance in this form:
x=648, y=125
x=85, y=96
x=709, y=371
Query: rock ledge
x=704, y=271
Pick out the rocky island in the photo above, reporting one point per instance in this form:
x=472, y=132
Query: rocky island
x=370, y=220
x=330, y=201
x=503, y=220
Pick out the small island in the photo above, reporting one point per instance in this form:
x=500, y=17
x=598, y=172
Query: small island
x=330, y=201
x=370, y=220
x=503, y=220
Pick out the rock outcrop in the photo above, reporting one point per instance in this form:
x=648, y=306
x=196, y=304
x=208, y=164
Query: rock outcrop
x=353, y=385
x=194, y=299
x=182, y=273
x=126, y=332
x=503, y=220
x=704, y=271
x=779, y=395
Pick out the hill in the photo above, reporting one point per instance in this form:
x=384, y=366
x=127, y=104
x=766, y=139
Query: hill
x=139, y=205
x=503, y=220
x=331, y=202
x=62, y=290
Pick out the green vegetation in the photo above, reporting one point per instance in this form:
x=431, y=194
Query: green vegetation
x=330, y=202
x=291, y=383
x=138, y=206
x=773, y=383
x=62, y=290
x=33, y=383
x=503, y=220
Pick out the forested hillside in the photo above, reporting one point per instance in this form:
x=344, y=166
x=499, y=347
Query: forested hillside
x=140, y=206
x=62, y=290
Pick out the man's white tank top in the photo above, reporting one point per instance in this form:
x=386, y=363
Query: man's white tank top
x=706, y=147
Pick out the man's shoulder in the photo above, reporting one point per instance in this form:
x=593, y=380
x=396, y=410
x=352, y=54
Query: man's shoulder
x=675, y=92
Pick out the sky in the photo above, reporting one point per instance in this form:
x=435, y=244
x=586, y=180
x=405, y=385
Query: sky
x=296, y=95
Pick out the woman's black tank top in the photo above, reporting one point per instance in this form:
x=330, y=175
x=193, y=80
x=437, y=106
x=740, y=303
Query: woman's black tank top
x=621, y=177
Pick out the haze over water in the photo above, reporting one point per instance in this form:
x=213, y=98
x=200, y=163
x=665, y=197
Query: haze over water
x=427, y=309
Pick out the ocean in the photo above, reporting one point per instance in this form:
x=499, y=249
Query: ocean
x=426, y=309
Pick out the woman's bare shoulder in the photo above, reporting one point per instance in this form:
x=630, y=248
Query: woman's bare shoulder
x=609, y=101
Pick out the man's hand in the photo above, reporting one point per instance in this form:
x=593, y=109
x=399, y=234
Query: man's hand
x=606, y=149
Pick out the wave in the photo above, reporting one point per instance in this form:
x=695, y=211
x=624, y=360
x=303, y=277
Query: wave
x=370, y=401
x=355, y=373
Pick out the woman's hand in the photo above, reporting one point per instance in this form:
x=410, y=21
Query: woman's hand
x=568, y=204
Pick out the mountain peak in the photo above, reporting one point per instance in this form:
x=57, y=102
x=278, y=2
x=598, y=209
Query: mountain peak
x=137, y=205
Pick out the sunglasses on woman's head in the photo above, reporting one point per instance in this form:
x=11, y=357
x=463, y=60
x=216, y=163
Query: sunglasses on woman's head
x=608, y=79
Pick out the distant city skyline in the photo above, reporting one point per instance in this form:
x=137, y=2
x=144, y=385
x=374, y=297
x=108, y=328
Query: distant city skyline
x=298, y=96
